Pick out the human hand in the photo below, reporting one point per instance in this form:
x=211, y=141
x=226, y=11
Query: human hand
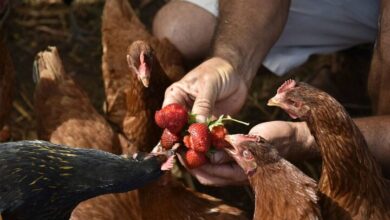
x=293, y=140
x=222, y=170
x=212, y=88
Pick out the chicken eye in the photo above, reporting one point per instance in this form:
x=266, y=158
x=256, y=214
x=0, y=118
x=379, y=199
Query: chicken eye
x=290, y=102
x=247, y=155
x=293, y=103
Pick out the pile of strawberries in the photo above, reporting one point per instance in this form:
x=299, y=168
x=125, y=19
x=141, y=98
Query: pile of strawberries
x=199, y=138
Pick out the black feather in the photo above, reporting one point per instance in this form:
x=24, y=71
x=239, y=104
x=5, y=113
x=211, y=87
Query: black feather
x=41, y=180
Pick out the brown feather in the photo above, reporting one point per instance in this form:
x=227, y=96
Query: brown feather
x=65, y=115
x=128, y=104
x=131, y=106
x=282, y=191
x=351, y=182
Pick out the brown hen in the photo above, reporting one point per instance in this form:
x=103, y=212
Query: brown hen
x=7, y=75
x=65, y=115
x=351, y=183
x=183, y=203
x=282, y=191
x=133, y=96
x=130, y=103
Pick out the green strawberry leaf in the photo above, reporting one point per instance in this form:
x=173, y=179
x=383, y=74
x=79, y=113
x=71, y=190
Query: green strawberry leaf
x=215, y=123
x=191, y=118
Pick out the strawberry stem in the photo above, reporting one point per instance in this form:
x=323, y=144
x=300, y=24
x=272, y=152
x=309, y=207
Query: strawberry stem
x=221, y=119
x=228, y=118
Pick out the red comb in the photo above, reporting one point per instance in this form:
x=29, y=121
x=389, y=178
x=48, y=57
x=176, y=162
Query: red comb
x=142, y=57
x=289, y=84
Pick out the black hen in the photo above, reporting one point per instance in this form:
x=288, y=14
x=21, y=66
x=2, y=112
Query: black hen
x=41, y=180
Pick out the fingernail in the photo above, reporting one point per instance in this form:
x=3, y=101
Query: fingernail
x=201, y=118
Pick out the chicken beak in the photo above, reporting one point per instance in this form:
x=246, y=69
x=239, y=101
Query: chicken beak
x=159, y=150
x=273, y=102
x=144, y=74
x=232, y=140
x=145, y=81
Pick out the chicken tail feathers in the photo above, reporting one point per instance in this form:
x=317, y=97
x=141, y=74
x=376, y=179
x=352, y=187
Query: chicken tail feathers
x=35, y=72
x=47, y=64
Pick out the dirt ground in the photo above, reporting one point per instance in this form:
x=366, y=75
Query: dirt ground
x=30, y=28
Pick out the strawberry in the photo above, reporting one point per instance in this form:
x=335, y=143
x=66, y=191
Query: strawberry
x=173, y=117
x=159, y=118
x=168, y=139
x=218, y=137
x=187, y=141
x=199, y=137
x=195, y=159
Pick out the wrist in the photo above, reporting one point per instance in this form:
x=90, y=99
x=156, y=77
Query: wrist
x=229, y=60
x=305, y=139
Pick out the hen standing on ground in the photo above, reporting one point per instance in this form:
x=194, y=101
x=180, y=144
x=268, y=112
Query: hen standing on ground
x=65, y=115
x=351, y=181
x=282, y=191
x=133, y=96
x=129, y=104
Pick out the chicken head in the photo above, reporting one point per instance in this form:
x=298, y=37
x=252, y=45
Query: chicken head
x=140, y=57
x=250, y=151
x=289, y=97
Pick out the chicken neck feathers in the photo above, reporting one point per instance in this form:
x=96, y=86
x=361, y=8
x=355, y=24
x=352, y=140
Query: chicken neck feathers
x=283, y=191
x=132, y=106
x=351, y=182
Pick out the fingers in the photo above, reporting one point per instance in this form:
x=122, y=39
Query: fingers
x=293, y=140
x=220, y=157
x=209, y=180
x=220, y=175
x=168, y=165
x=185, y=92
x=273, y=130
x=181, y=159
x=204, y=102
x=177, y=93
x=217, y=174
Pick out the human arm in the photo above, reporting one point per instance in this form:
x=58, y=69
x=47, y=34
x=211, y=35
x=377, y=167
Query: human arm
x=294, y=142
x=245, y=33
x=378, y=78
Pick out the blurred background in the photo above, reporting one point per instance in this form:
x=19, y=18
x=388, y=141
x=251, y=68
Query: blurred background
x=32, y=25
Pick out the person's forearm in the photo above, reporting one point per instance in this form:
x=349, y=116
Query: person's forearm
x=246, y=31
x=375, y=130
x=378, y=79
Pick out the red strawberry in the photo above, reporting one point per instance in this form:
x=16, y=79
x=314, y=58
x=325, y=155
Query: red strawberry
x=195, y=159
x=173, y=117
x=199, y=137
x=168, y=139
x=159, y=118
x=218, y=137
x=187, y=141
